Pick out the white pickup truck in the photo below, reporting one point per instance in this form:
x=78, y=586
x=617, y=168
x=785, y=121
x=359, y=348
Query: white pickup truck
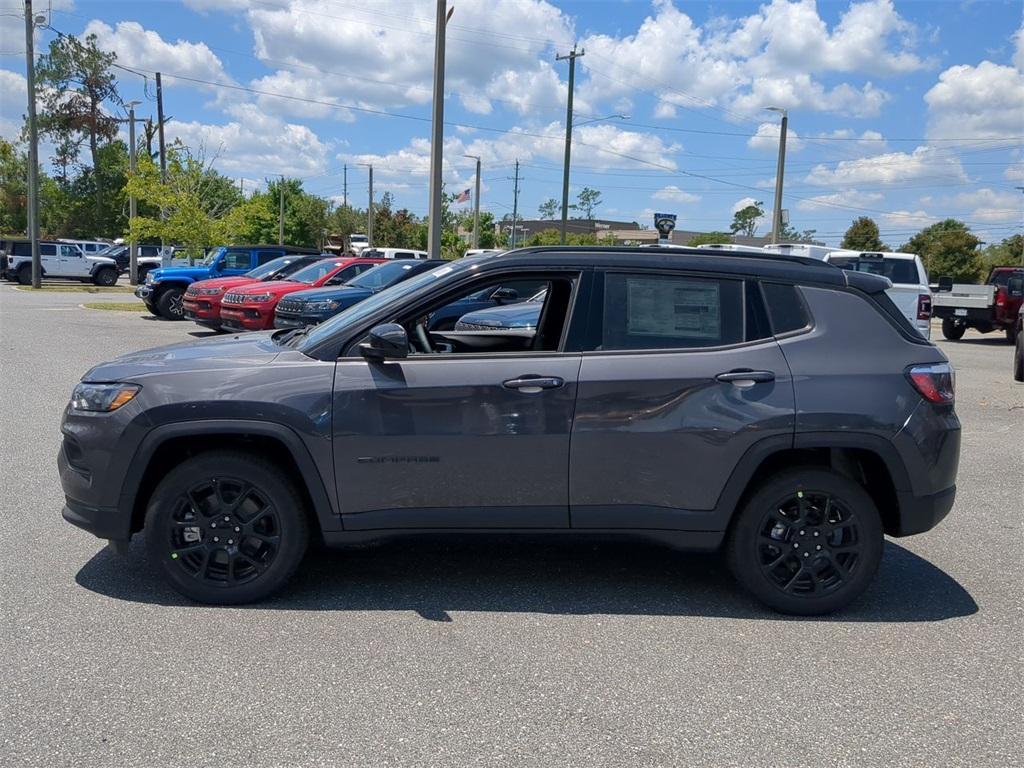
x=909, y=292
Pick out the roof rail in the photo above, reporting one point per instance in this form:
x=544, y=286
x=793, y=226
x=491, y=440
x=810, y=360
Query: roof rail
x=707, y=253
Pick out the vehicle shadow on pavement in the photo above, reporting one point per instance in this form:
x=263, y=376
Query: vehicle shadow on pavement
x=437, y=576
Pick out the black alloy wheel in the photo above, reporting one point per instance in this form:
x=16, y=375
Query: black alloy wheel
x=226, y=527
x=223, y=531
x=807, y=542
x=169, y=303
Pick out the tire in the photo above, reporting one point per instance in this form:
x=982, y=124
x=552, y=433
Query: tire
x=152, y=309
x=141, y=274
x=256, y=503
x=25, y=275
x=1018, y=358
x=168, y=304
x=952, y=330
x=771, y=553
x=1011, y=334
x=105, y=276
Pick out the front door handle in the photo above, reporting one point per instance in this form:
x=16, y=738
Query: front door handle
x=746, y=378
x=531, y=384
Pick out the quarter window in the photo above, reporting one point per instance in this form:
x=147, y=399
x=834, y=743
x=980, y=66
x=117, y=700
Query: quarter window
x=262, y=257
x=651, y=311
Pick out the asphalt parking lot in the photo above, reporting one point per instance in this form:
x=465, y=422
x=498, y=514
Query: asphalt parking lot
x=455, y=653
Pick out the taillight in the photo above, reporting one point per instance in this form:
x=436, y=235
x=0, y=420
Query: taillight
x=924, y=306
x=1000, y=297
x=935, y=382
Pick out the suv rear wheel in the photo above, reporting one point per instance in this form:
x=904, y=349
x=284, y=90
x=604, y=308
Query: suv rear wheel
x=168, y=304
x=226, y=528
x=808, y=542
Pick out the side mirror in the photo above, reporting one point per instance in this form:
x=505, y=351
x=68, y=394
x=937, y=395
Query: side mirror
x=502, y=295
x=945, y=284
x=387, y=341
x=1016, y=286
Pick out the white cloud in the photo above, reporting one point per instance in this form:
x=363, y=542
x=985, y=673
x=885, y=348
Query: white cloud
x=890, y=168
x=674, y=194
x=1018, y=54
x=256, y=144
x=767, y=138
x=798, y=91
x=138, y=47
x=845, y=199
x=992, y=206
x=982, y=102
x=742, y=203
x=381, y=56
x=13, y=103
x=908, y=219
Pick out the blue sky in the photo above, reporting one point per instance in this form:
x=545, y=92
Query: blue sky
x=905, y=111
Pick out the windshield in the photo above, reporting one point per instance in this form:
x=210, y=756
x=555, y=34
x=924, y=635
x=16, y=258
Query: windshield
x=381, y=276
x=396, y=293
x=897, y=270
x=210, y=257
x=315, y=271
x=277, y=267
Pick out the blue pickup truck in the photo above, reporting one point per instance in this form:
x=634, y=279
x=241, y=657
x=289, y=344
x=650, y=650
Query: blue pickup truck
x=164, y=288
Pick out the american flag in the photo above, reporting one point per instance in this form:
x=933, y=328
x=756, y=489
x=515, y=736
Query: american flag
x=464, y=197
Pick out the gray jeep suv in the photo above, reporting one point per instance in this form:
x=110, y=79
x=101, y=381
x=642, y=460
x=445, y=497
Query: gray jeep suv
x=777, y=407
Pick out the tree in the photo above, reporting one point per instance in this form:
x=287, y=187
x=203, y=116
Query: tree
x=75, y=81
x=587, y=202
x=744, y=221
x=1008, y=252
x=709, y=238
x=549, y=209
x=788, y=234
x=257, y=219
x=554, y=237
x=948, y=248
x=13, y=188
x=194, y=208
x=863, y=235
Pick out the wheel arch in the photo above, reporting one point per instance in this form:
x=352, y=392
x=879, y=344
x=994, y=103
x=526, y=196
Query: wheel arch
x=869, y=460
x=167, y=446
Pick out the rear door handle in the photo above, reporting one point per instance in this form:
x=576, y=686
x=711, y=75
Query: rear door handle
x=530, y=384
x=746, y=378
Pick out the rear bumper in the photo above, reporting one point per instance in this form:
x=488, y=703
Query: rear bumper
x=922, y=513
x=970, y=317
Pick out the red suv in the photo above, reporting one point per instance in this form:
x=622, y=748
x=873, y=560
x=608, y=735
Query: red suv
x=251, y=307
x=202, y=299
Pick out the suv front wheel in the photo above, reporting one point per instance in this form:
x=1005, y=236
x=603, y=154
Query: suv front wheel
x=226, y=528
x=808, y=542
x=169, y=304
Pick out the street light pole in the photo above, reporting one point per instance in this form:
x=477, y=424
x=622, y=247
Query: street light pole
x=571, y=56
x=133, y=258
x=515, y=203
x=369, y=208
x=779, y=172
x=280, y=214
x=476, y=203
x=435, y=225
x=33, y=146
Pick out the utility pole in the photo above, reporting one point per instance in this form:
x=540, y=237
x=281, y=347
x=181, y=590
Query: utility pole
x=133, y=257
x=160, y=128
x=33, y=146
x=344, y=187
x=572, y=56
x=779, y=172
x=1022, y=247
x=280, y=215
x=369, y=209
x=476, y=203
x=515, y=203
x=435, y=225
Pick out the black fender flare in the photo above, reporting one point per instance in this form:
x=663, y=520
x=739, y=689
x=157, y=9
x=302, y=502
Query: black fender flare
x=323, y=501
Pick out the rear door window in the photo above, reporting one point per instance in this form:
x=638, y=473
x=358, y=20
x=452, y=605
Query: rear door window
x=262, y=257
x=664, y=311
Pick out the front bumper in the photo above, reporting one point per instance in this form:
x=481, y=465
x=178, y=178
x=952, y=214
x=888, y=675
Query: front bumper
x=297, y=321
x=238, y=319
x=145, y=292
x=103, y=522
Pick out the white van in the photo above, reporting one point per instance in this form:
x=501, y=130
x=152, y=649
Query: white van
x=909, y=292
x=392, y=253
x=806, y=250
x=358, y=243
x=89, y=247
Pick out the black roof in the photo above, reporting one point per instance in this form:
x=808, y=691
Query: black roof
x=276, y=246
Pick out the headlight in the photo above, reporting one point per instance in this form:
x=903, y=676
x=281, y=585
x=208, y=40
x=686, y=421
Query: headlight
x=102, y=397
x=259, y=297
x=321, y=306
x=209, y=291
x=150, y=279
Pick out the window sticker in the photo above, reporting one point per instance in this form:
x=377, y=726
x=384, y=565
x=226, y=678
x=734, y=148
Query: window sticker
x=670, y=308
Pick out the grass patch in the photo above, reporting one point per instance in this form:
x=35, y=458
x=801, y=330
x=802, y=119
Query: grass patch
x=76, y=289
x=117, y=306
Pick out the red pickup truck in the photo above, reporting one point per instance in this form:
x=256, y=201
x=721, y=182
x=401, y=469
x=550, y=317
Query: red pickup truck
x=990, y=307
